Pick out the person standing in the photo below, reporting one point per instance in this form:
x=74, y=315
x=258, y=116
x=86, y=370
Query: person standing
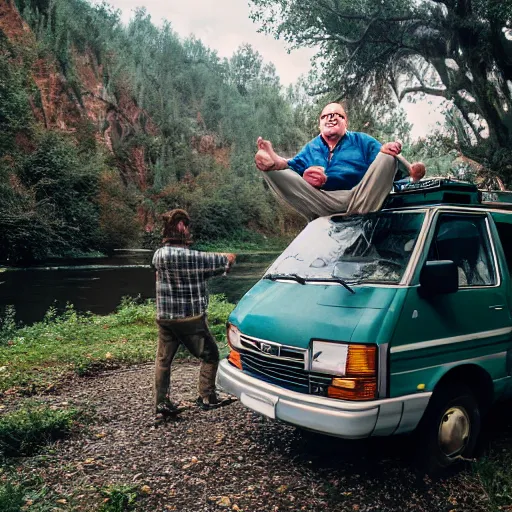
x=181, y=302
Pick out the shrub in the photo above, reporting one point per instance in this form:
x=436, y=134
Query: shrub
x=25, y=431
x=217, y=218
x=48, y=205
x=11, y=497
x=130, y=311
x=119, y=498
x=8, y=325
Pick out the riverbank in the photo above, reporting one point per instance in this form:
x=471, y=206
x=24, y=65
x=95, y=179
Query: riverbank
x=89, y=380
x=260, y=244
x=44, y=355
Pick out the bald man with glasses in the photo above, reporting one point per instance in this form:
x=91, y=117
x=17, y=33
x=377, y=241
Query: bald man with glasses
x=339, y=171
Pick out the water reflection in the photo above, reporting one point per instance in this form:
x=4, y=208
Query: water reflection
x=97, y=285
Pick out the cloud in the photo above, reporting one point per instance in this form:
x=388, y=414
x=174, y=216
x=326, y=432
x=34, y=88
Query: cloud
x=222, y=25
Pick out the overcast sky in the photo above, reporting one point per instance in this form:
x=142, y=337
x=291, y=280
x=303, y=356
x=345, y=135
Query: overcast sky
x=224, y=25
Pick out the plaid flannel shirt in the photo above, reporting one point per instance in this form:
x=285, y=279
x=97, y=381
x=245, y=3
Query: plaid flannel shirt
x=181, y=276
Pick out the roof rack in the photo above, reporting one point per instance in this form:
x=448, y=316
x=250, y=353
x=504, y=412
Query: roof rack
x=435, y=191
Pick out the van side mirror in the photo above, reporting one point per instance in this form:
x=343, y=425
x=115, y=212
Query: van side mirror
x=439, y=277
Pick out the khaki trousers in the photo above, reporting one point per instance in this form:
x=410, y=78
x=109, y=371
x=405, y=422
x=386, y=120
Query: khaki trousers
x=367, y=196
x=195, y=334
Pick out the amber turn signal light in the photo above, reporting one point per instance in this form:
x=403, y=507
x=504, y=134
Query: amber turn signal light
x=353, y=389
x=360, y=382
x=361, y=360
x=234, y=359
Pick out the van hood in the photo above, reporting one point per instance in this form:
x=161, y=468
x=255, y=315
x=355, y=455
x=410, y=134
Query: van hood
x=293, y=314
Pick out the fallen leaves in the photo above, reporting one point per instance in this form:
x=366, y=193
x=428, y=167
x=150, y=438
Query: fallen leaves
x=225, y=460
x=193, y=461
x=224, y=502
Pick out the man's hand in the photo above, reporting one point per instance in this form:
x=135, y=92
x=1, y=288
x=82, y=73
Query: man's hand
x=264, y=161
x=231, y=260
x=264, y=158
x=265, y=145
x=315, y=176
x=231, y=257
x=267, y=159
x=391, y=148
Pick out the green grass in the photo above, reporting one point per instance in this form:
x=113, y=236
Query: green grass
x=40, y=356
x=24, y=431
x=261, y=245
x=11, y=497
x=119, y=498
x=21, y=491
x=495, y=474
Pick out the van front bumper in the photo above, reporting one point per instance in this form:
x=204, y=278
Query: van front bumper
x=341, y=418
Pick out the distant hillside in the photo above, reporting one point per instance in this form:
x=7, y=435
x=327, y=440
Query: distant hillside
x=103, y=127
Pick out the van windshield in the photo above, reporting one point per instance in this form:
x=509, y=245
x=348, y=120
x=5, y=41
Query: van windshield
x=365, y=248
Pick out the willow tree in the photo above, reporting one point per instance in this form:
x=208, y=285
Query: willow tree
x=460, y=50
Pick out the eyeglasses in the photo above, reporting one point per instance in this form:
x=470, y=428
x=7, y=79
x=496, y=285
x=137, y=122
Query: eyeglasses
x=332, y=115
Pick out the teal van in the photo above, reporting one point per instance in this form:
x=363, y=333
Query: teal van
x=385, y=323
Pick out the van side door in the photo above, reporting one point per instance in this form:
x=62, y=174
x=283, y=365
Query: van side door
x=472, y=325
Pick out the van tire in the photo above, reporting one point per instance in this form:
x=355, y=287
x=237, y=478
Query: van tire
x=448, y=432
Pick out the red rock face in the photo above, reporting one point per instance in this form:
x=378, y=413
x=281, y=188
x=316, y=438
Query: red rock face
x=12, y=24
x=57, y=106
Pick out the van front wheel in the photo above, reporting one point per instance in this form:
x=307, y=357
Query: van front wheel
x=448, y=431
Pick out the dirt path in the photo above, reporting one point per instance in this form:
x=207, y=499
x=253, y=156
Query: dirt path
x=228, y=459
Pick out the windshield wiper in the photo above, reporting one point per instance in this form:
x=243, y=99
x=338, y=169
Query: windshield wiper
x=303, y=280
x=343, y=283
x=295, y=277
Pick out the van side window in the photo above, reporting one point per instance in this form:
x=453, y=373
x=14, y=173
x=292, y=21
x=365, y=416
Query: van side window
x=465, y=241
x=505, y=234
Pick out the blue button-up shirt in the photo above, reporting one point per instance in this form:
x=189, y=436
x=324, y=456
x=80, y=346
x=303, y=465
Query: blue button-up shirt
x=345, y=165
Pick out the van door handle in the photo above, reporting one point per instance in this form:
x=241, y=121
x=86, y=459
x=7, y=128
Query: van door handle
x=498, y=307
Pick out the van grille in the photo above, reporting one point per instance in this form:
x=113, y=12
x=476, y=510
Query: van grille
x=281, y=365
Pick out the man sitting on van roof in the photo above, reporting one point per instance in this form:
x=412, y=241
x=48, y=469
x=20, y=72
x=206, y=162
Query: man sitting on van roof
x=338, y=171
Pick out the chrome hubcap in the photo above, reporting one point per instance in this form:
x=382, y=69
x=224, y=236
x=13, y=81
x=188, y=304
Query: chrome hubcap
x=454, y=431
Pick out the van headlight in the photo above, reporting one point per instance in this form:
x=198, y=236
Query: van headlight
x=353, y=366
x=328, y=357
x=233, y=336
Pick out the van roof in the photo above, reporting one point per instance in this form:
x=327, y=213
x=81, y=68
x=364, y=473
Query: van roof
x=443, y=191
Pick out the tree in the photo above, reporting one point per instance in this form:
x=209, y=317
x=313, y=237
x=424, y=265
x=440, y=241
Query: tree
x=460, y=50
x=245, y=65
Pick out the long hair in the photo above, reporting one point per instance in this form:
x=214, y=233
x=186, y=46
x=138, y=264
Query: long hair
x=175, y=227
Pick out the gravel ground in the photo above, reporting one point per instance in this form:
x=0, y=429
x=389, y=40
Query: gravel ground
x=227, y=459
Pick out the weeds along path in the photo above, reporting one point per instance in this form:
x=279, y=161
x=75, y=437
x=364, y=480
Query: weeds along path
x=225, y=459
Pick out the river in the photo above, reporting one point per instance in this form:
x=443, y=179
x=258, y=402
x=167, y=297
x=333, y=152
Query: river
x=98, y=284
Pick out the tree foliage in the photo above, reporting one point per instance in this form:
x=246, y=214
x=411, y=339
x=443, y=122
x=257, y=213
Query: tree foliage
x=181, y=122
x=460, y=50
